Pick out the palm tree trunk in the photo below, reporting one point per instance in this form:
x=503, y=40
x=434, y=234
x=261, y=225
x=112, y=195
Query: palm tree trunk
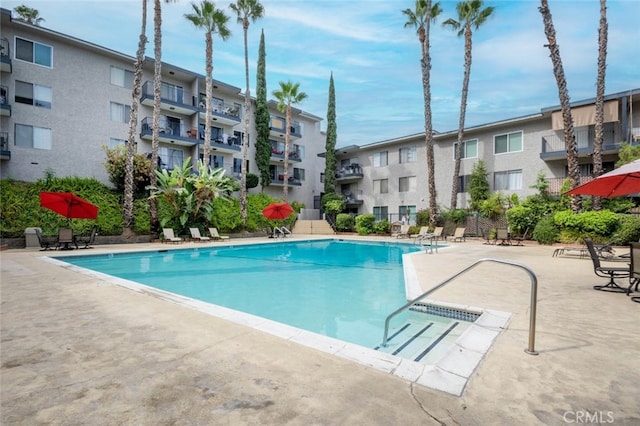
x=157, y=86
x=245, y=142
x=209, y=97
x=287, y=135
x=565, y=105
x=463, y=112
x=133, y=122
x=602, y=66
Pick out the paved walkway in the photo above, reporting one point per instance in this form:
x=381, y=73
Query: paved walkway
x=79, y=350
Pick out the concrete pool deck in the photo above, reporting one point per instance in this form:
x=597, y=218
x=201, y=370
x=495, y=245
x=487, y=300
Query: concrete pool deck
x=77, y=349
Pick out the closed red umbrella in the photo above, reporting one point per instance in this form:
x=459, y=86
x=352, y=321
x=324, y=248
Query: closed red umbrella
x=68, y=205
x=277, y=211
x=624, y=180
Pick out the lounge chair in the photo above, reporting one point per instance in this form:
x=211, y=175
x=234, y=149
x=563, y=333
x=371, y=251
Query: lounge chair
x=169, y=236
x=88, y=240
x=424, y=230
x=402, y=232
x=46, y=243
x=65, y=238
x=438, y=233
x=195, y=235
x=216, y=236
x=634, y=270
x=610, y=272
x=458, y=235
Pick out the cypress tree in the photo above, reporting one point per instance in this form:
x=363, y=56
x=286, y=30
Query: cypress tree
x=263, y=148
x=330, y=144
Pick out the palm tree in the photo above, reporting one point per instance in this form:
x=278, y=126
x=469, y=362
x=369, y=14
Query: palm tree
x=602, y=66
x=212, y=20
x=127, y=213
x=246, y=10
x=287, y=95
x=565, y=104
x=421, y=18
x=29, y=15
x=470, y=14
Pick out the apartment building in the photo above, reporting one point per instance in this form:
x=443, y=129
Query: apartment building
x=389, y=178
x=62, y=99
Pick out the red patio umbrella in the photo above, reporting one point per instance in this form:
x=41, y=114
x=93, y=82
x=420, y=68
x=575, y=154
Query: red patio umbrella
x=68, y=205
x=624, y=180
x=277, y=211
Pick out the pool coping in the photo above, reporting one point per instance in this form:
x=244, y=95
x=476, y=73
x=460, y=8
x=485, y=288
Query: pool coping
x=450, y=373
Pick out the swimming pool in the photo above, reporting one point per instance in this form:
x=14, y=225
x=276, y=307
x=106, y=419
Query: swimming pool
x=332, y=295
x=336, y=288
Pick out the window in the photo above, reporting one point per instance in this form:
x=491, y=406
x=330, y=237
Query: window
x=408, y=155
x=509, y=180
x=120, y=112
x=381, y=212
x=32, y=137
x=114, y=142
x=33, y=52
x=381, y=186
x=171, y=158
x=407, y=184
x=33, y=94
x=469, y=149
x=237, y=165
x=463, y=183
x=298, y=174
x=380, y=159
x=240, y=137
x=121, y=77
x=510, y=142
x=407, y=212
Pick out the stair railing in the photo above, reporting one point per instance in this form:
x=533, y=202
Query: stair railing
x=532, y=308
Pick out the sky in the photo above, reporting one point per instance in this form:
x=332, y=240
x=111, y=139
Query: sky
x=375, y=60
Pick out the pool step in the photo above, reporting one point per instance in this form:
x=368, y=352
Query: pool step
x=421, y=339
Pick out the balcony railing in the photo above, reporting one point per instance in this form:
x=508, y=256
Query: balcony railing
x=5, y=107
x=5, y=55
x=554, y=146
x=353, y=198
x=555, y=184
x=278, y=126
x=5, y=154
x=352, y=170
x=169, y=131
x=171, y=97
x=279, y=180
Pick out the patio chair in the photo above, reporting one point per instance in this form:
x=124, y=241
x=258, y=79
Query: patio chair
x=402, y=232
x=610, y=272
x=88, y=240
x=46, y=243
x=634, y=270
x=519, y=239
x=502, y=234
x=65, y=239
x=486, y=235
x=169, y=236
x=216, y=236
x=458, y=235
x=195, y=235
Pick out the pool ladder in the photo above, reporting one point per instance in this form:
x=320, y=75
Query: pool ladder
x=532, y=308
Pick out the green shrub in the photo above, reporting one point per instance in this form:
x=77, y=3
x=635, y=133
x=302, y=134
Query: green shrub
x=382, y=227
x=365, y=224
x=333, y=207
x=628, y=230
x=345, y=222
x=422, y=217
x=252, y=180
x=593, y=224
x=458, y=216
x=546, y=231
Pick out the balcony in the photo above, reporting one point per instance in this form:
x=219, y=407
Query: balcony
x=277, y=127
x=277, y=152
x=5, y=108
x=5, y=154
x=5, y=56
x=170, y=132
x=279, y=180
x=352, y=172
x=555, y=184
x=221, y=113
x=172, y=98
x=353, y=200
x=554, y=147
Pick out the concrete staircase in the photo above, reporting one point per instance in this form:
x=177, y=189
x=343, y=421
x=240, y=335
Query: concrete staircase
x=314, y=227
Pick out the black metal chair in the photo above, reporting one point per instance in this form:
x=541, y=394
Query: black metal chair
x=634, y=270
x=46, y=243
x=611, y=272
x=89, y=240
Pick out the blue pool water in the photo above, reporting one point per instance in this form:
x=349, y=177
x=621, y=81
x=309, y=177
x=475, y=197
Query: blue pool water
x=341, y=289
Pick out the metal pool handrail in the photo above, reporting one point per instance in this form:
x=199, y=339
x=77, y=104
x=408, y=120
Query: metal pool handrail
x=534, y=295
